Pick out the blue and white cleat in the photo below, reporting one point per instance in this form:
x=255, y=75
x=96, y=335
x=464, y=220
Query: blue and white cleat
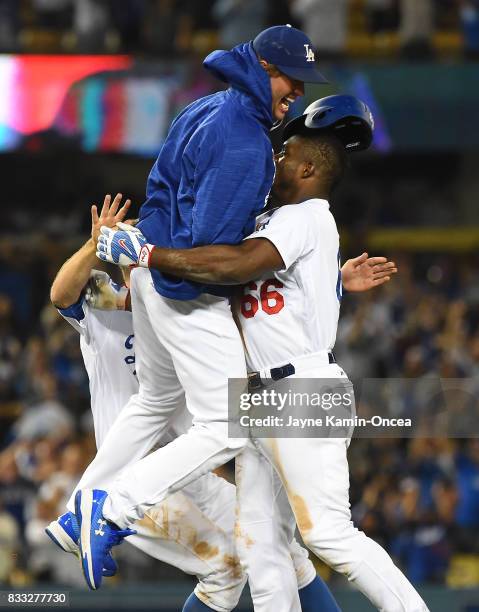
x=97, y=534
x=65, y=533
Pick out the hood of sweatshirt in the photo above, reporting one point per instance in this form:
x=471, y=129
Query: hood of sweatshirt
x=241, y=69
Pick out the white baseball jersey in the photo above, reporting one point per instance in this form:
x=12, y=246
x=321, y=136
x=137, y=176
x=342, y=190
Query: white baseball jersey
x=285, y=315
x=295, y=311
x=106, y=342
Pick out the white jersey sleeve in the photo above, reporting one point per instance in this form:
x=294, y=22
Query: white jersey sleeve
x=291, y=232
x=76, y=316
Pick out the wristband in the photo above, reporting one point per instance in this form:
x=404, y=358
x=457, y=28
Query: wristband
x=145, y=255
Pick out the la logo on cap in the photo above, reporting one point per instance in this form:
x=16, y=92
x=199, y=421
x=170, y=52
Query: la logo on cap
x=309, y=54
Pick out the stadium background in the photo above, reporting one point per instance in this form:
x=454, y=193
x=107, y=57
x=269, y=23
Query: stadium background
x=88, y=89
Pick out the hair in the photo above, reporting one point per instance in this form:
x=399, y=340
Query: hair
x=270, y=69
x=328, y=154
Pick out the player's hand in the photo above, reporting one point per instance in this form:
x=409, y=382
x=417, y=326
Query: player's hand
x=110, y=214
x=363, y=273
x=128, y=226
x=123, y=248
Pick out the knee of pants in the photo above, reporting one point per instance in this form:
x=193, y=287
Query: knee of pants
x=242, y=541
x=332, y=532
x=237, y=443
x=219, y=433
x=222, y=595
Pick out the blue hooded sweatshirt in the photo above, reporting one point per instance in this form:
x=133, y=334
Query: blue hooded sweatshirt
x=215, y=169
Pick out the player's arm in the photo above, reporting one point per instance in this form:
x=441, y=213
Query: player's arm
x=218, y=264
x=75, y=272
x=73, y=276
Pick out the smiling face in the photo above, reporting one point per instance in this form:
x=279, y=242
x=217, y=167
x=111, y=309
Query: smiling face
x=290, y=166
x=308, y=167
x=284, y=90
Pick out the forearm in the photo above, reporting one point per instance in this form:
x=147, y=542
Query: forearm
x=215, y=264
x=73, y=276
x=345, y=276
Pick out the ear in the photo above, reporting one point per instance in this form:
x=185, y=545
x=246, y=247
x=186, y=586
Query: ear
x=308, y=169
x=270, y=69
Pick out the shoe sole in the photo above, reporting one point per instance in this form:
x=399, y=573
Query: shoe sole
x=83, y=510
x=60, y=537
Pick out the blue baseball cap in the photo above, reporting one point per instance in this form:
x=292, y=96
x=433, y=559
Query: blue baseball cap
x=291, y=51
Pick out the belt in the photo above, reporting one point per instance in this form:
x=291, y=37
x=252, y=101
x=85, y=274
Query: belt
x=255, y=379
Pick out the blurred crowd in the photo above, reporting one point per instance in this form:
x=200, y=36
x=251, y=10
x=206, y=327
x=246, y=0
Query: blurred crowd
x=169, y=28
x=418, y=497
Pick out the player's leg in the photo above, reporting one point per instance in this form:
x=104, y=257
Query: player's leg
x=314, y=593
x=139, y=426
x=316, y=477
x=193, y=604
x=178, y=533
x=261, y=539
x=316, y=597
x=265, y=535
x=196, y=540
x=206, y=350
x=217, y=499
x=193, y=531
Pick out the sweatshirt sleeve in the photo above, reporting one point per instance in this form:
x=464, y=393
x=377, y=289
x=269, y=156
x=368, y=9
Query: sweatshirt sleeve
x=233, y=176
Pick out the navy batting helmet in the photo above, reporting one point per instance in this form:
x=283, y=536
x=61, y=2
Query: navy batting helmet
x=347, y=117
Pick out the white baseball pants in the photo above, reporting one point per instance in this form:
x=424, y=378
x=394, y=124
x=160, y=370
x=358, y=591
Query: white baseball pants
x=193, y=528
x=265, y=535
x=315, y=475
x=197, y=540
x=183, y=349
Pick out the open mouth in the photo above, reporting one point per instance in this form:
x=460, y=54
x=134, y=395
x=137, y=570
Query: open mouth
x=285, y=103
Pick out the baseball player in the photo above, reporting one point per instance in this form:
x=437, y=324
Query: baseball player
x=210, y=180
x=192, y=529
x=289, y=317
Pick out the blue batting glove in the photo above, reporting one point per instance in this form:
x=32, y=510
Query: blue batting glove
x=123, y=248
